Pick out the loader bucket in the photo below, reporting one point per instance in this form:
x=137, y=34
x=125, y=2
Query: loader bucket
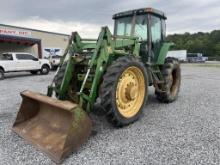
x=55, y=127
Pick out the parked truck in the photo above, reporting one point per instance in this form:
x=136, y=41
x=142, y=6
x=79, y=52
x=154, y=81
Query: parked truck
x=55, y=61
x=196, y=58
x=17, y=62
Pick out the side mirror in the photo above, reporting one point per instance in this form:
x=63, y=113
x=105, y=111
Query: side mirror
x=35, y=59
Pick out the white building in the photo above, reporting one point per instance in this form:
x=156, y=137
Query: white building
x=181, y=55
x=38, y=42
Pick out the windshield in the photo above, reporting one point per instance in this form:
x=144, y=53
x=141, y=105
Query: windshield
x=124, y=27
x=6, y=57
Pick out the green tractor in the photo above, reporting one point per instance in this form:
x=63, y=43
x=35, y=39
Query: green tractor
x=109, y=75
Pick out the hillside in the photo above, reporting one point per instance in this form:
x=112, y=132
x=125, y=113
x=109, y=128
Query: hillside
x=206, y=43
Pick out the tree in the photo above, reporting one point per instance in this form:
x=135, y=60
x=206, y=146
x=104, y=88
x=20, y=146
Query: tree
x=206, y=43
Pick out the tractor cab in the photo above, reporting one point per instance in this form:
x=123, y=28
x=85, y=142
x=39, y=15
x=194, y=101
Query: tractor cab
x=147, y=24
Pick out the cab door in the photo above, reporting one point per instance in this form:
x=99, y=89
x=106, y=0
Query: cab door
x=27, y=62
x=34, y=62
x=157, y=32
x=141, y=31
x=22, y=63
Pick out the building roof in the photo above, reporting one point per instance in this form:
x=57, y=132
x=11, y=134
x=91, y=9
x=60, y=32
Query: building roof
x=15, y=53
x=140, y=11
x=11, y=26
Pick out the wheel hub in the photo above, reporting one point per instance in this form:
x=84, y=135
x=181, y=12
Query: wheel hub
x=130, y=92
x=44, y=70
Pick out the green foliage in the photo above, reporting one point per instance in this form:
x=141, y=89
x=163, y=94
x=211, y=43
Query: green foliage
x=206, y=43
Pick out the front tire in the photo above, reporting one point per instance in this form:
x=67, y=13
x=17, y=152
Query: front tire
x=45, y=70
x=2, y=74
x=172, y=75
x=124, y=91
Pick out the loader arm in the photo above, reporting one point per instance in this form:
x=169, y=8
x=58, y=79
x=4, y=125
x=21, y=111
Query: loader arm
x=104, y=50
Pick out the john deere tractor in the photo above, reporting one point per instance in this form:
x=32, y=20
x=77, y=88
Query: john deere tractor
x=110, y=75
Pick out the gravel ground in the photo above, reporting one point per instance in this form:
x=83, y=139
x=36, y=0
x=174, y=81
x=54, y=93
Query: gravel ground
x=184, y=132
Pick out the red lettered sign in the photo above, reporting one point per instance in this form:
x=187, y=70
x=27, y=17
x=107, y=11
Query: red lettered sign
x=15, y=32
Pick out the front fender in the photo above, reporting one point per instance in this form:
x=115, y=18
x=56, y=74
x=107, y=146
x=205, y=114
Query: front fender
x=45, y=62
x=163, y=53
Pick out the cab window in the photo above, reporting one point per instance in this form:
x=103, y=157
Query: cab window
x=123, y=26
x=140, y=30
x=24, y=57
x=156, y=29
x=6, y=57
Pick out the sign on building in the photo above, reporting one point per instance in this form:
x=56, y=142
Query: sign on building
x=52, y=52
x=12, y=32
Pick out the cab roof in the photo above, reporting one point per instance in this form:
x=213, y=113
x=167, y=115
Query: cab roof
x=140, y=11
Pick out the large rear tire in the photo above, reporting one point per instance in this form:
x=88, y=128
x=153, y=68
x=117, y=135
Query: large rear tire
x=172, y=75
x=124, y=91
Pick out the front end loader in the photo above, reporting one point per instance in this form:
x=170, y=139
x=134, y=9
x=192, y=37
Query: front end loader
x=110, y=75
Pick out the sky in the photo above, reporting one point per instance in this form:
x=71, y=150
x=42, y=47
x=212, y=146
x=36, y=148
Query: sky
x=88, y=16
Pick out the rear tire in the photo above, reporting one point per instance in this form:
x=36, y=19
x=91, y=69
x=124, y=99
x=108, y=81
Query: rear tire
x=2, y=74
x=124, y=91
x=172, y=75
x=45, y=70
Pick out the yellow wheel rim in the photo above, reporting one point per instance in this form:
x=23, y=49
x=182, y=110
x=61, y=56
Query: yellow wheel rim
x=130, y=92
